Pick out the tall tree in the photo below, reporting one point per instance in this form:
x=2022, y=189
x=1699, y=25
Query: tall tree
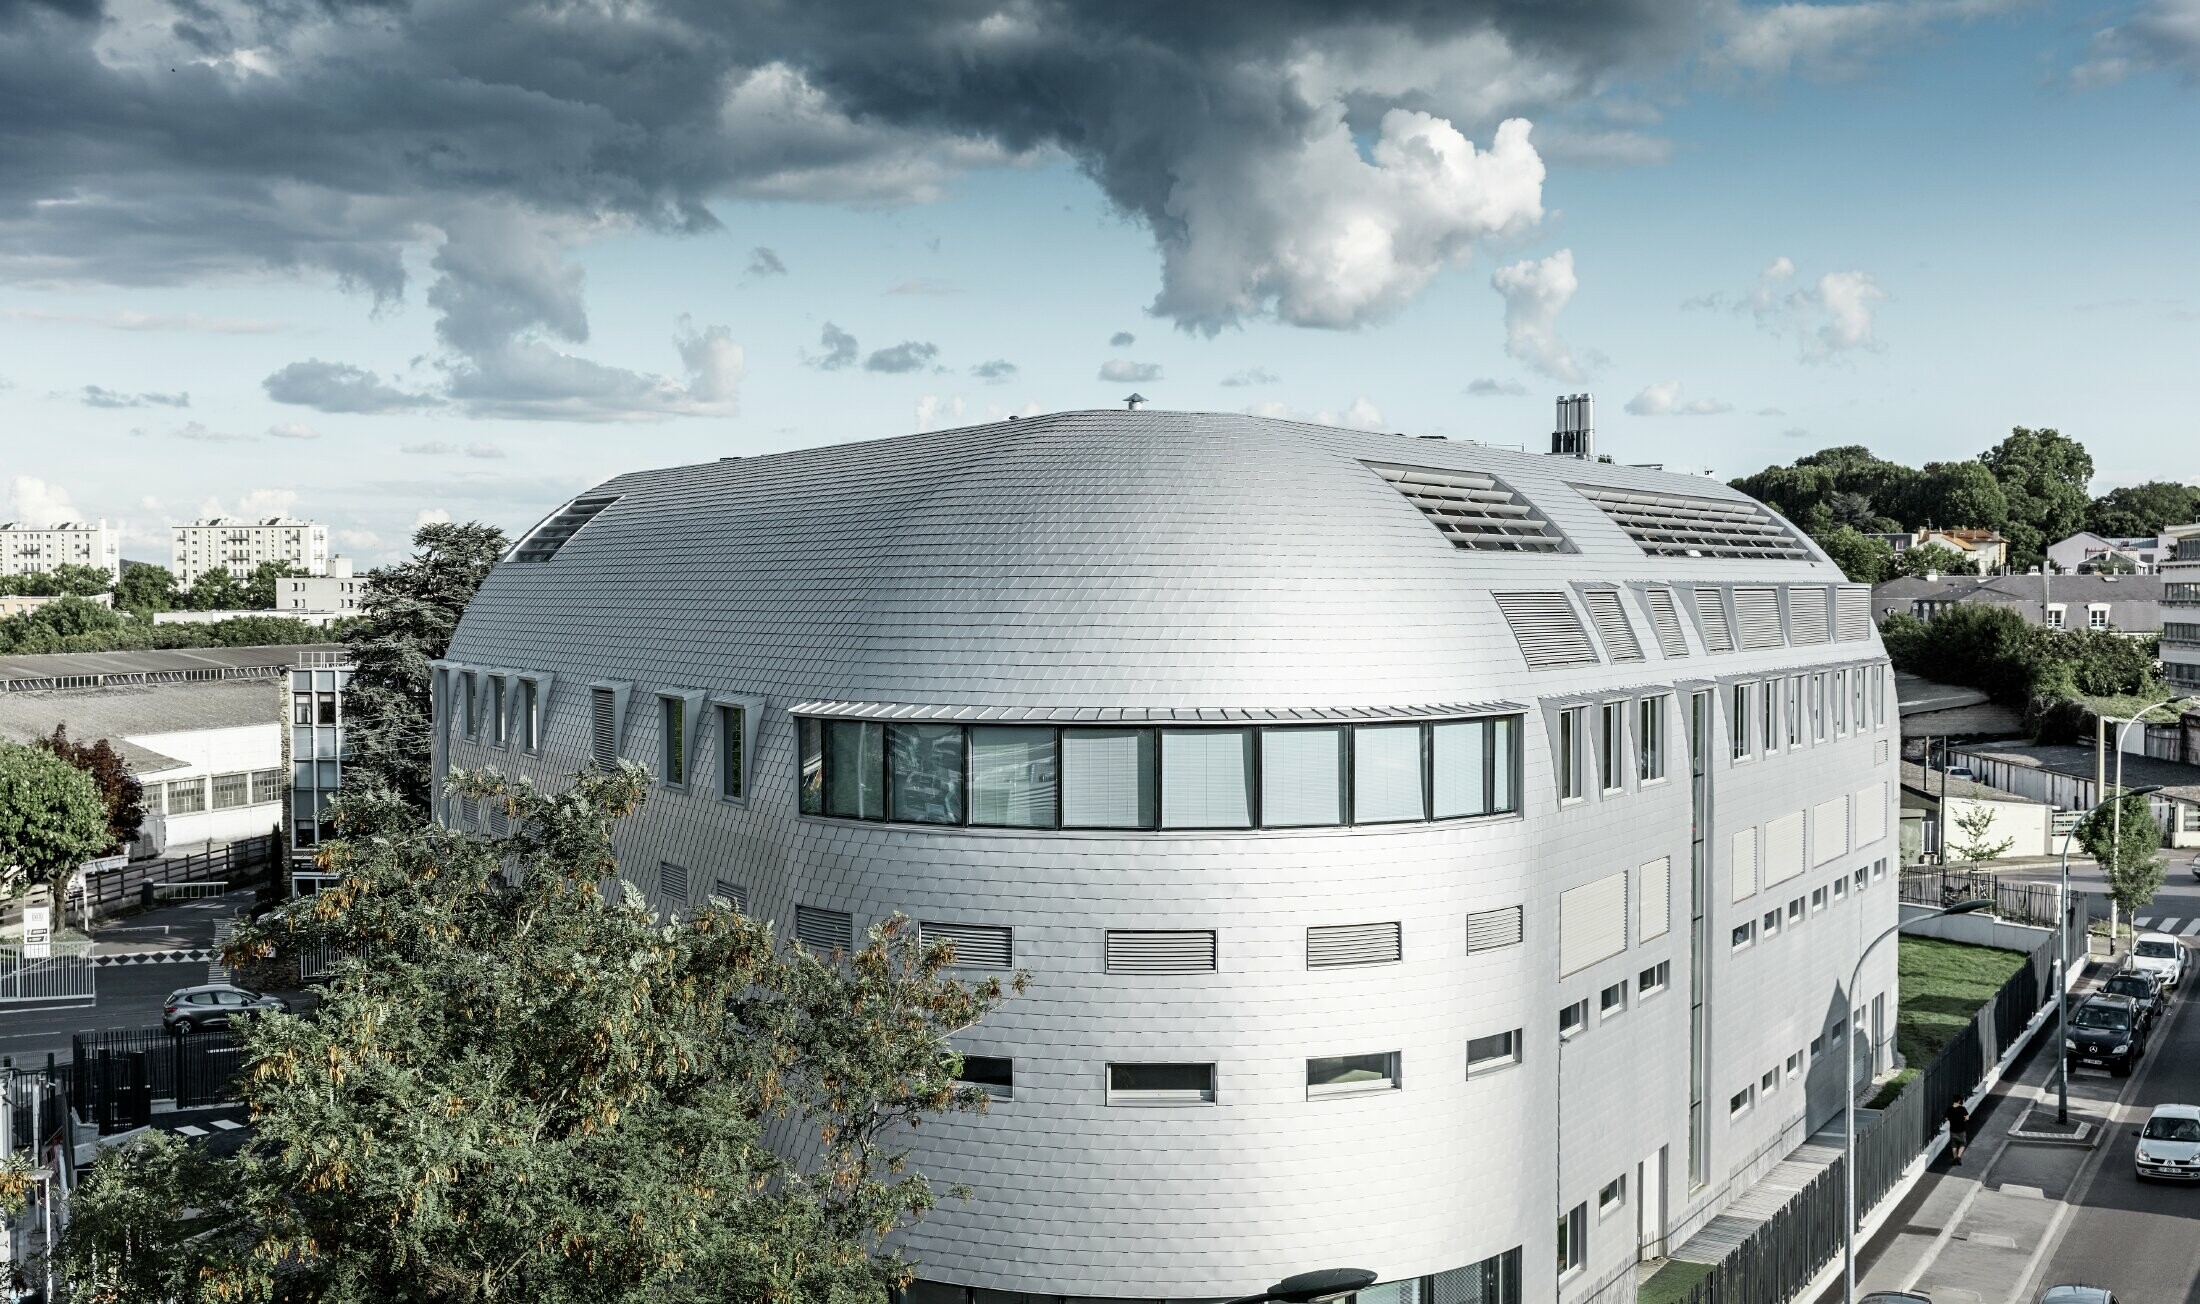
x=1932, y=559
x=2142, y=510
x=119, y=790
x=2132, y=862
x=1864, y=559
x=408, y=613
x=51, y=817
x=217, y=590
x=146, y=587
x=259, y=587
x=545, y=1092
x=2044, y=474
x=1962, y=495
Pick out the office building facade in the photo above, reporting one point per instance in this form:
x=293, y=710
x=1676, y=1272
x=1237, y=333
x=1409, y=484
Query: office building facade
x=1427, y=858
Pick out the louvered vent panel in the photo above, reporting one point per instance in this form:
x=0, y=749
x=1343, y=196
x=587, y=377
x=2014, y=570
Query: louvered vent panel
x=1711, y=612
x=1341, y=946
x=1548, y=631
x=1855, y=612
x=977, y=946
x=672, y=881
x=1491, y=930
x=1676, y=525
x=543, y=543
x=732, y=893
x=1667, y=620
x=1807, y=616
x=1474, y=510
x=1757, y=612
x=1161, y=950
x=824, y=930
x=1612, y=627
x=603, y=727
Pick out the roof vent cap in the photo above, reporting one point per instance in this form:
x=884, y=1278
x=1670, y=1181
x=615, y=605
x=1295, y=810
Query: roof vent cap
x=1131, y=404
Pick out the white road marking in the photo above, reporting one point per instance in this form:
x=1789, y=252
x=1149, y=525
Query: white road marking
x=2143, y=921
x=2168, y=925
x=2193, y=927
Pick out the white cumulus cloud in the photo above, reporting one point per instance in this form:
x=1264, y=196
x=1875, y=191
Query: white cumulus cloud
x=1536, y=291
x=1826, y=319
x=40, y=503
x=1663, y=399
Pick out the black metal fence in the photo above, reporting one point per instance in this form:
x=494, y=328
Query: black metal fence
x=114, y=1076
x=1782, y=1255
x=2018, y=903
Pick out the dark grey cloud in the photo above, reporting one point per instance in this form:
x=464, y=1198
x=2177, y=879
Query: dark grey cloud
x=997, y=372
x=340, y=387
x=99, y=396
x=763, y=262
x=1122, y=340
x=1250, y=376
x=837, y=349
x=1117, y=370
x=909, y=355
x=1488, y=387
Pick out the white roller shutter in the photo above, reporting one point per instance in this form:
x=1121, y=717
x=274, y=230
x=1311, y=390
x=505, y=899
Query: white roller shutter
x=1592, y=923
x=1655, y=890
x=1783, y=850
x=1757, y=612
x=1743, y=859
x=1829, y=830
x=1871, y=813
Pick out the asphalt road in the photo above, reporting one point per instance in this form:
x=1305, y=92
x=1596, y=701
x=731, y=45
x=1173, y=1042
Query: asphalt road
x=2175, y=909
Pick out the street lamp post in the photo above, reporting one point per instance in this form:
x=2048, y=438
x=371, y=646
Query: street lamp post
x=2062, y=951
x=1848, y=1090
x=1313, y=1287
x=2117, y=819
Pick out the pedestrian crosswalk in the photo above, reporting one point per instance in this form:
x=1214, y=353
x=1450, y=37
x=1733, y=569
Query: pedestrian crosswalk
x=2154, y=924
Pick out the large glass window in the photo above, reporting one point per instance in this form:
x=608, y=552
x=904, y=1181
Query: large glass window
x=1207, y=778
x=855, y=770
x=1650, y=739
x=925, y=773
x=1108, y=778
x=1386, y=774
x=1302, y=777
x=1463, y=763
x=1012, y=776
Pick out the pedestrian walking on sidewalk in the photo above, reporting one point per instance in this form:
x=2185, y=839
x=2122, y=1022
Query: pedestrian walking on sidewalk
x=1959, y=1131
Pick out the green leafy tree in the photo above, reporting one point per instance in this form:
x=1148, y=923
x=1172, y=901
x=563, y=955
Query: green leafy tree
x=546, y=1093
x=119, y=790
x=146, y=588
x=1976, y=644
x=2096, y=663
x=51, y=817
x=1932, y=559
x=1962, y=496
x=1864, y=559
x=407, y=615
x=2133, y=861
x=67, y=578
x=1978, y=844
x=217, y=590
x=2142, y=510
x=259, y=587
x=60, y=626
x=2043, y=474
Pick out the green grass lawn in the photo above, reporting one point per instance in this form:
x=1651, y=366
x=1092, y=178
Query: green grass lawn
x=1671, y=1283
x=1943, y=986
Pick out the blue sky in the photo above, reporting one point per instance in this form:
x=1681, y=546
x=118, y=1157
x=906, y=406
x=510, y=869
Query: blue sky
x=1985, y=213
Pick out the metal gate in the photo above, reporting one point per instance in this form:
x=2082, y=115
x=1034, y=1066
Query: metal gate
x=64, y=973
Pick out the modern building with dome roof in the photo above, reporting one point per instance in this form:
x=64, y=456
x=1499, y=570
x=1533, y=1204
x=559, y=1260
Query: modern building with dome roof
x=1428, y=858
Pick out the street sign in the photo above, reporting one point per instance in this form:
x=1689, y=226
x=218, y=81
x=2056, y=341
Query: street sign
x=37, y=932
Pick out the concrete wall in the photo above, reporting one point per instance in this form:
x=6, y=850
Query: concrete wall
x=219, y=751
x=2028, y=825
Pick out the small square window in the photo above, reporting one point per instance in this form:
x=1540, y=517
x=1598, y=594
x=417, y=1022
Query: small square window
x=994, y=1073
x=1840, y=888
x=1817, y=1046
x=1795, y=1066
x=1740, y=1102
x=1770, y=1082
x=1653, y=980
x=1817, y=900
x=1612, y=1197
x=1161, y=1084
x=1497, y=1051
x=1351, y=1075
x=1745, y=935
x=1795, y=911
x=1770, y=924
x=1573, y=1018
x=1879, y=870
x=1612, y=1000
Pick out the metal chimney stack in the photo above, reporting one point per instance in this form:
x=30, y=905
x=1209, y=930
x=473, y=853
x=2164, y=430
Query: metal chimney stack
x=1576, y=434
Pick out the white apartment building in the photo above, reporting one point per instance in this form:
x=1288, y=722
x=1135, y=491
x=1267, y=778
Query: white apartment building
x=336, y=592
x=240, y=546
x=25, y=550
x=2180, y=572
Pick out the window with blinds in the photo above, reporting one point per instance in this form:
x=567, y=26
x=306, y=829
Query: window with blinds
x=1207, y=778
x=977, y=946
x=1547, y=629
x=1829, y=830
x=1742, y=865
x=732, y=893
x=1592, y=922
x=1474, y=510
x=1655, y=906
x=1303, y=779
x=1493, y=930
x=1611, y=622
x=1108, y=779
x=1807, y=620
x=1667, y=621
x=1853, y=612
x=1711, y=615
x=1757, y=613
x=1783, y=849
x=1345, y=946
x=824, y=930
x=1160, y=951
x=603, y=727
x=672, y=881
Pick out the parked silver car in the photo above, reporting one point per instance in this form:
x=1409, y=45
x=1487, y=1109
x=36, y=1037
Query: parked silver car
x=213, y=1005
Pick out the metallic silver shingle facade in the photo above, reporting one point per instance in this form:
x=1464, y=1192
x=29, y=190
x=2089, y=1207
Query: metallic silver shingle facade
x=1162, y=565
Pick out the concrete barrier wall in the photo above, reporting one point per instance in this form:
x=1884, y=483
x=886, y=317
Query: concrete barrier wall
x=1985, y=930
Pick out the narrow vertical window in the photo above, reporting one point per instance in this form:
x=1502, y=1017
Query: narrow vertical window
x=811, y=734
x=497, y=717
x=1738, y=722
x=1818, y=707
x=1650, y=739
x=1505, y=773
x=1387, y=777
x=1768, y=713
x=1840, y=703
x=530, y=714
x=673, y=764
x=855, y=769
x=1795, y=710
x=1569, y=753
x=1461, y=759
x=1612, y=745
x=732, y=731
x=925, y=773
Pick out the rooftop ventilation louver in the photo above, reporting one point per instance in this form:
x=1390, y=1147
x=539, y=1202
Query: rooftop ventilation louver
x=542, y=542
x=1711, y=612
x=1807, y=615
x=1611, y=622
x=1671, y=525
x=1668, y=622
x=1854, y=602
x=1547, y=628
x=1474, y=510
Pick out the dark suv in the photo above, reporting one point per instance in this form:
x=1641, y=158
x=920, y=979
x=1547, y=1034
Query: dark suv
x=213, y=1006
x=2107, y=1032
x=2141, y=989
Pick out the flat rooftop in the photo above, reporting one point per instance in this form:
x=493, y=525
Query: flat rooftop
x=2173, y=778
x=142, y=709
x=59, y=665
